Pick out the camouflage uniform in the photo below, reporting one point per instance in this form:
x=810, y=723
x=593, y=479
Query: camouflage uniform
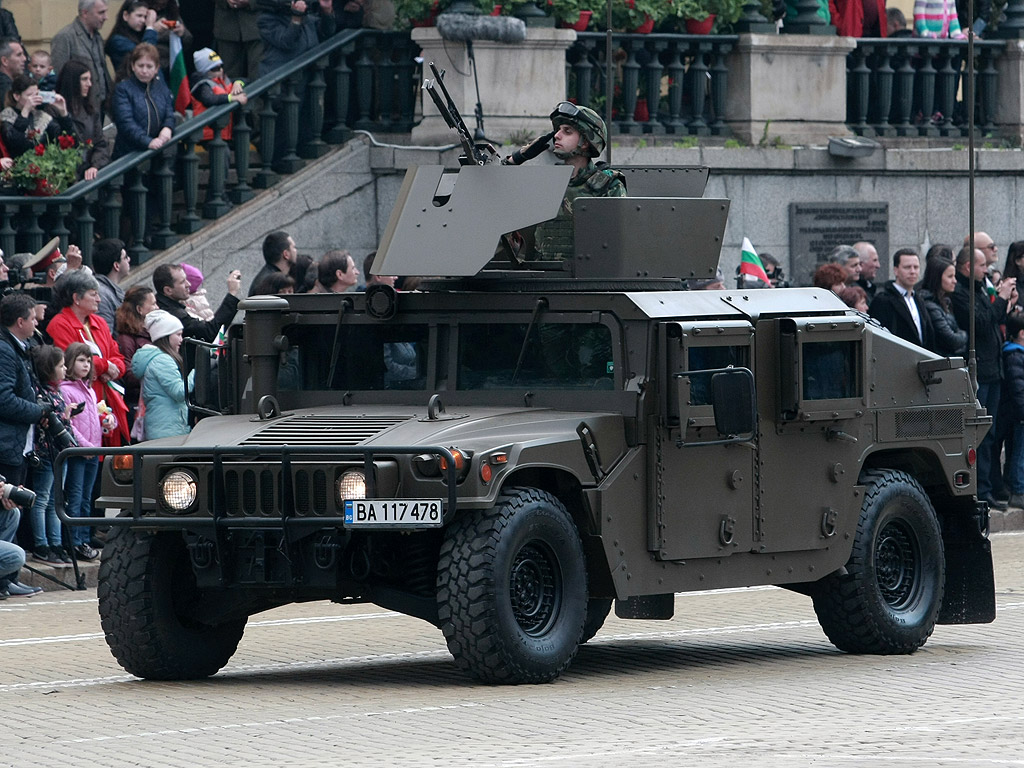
x=555, y=238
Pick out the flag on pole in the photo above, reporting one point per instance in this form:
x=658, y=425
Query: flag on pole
x=179, y=79
x=750, y=264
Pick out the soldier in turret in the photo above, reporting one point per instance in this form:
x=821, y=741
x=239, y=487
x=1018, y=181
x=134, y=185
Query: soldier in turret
x=580, y=137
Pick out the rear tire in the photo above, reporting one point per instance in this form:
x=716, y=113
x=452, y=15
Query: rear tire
x=889, y=599
x=512, y=589
x=147, y=593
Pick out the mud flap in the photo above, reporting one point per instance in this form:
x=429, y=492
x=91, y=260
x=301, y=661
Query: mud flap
x=970, y=594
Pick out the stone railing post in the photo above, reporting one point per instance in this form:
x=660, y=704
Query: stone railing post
x=519, y=84
x=1009, y=104
x=793, y=85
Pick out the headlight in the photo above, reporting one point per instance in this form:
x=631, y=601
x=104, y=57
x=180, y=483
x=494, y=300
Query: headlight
x=351, y=485
x=178, y=490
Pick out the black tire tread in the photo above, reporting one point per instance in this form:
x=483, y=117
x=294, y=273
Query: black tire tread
x=465, y=585
x=843, y=602
x=140, y=638
x=598, y=609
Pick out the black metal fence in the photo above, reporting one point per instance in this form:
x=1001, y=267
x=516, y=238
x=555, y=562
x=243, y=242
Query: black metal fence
x=665, y=84
x=359, y=79
x=914, y=87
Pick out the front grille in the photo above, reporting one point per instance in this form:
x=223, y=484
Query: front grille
x=257, y=493
x=929, y=423
x=323, y=430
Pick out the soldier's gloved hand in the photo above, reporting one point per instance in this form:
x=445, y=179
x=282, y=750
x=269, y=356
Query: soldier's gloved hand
x=530, y=151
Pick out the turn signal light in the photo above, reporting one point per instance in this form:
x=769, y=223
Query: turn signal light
x=972, y=457
x=457, y=455
x=122, y=467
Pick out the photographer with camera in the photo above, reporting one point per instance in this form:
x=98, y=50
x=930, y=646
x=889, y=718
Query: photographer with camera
x=19, y=416
x=26, y=121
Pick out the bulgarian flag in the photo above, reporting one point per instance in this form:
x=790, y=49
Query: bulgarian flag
x=750, y=264
x=179, y=80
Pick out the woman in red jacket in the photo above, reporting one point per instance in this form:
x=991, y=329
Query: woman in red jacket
x=77, y=296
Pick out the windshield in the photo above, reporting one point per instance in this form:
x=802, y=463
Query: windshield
x=384, y=356
x=374, y=357
x=552, y=356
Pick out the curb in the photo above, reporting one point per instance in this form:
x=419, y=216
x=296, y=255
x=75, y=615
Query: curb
x=35, y=574
x=1000, y=521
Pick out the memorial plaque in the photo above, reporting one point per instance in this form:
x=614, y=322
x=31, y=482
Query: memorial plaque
x=816, y=228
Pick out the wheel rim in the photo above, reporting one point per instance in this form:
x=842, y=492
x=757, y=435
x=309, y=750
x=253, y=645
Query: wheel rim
x=898, y=565
x=535, y=586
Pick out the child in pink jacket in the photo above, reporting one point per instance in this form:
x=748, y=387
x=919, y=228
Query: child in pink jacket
x=82, y=470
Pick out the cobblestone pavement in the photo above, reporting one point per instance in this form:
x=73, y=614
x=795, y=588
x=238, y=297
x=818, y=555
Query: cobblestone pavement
x=738, y=677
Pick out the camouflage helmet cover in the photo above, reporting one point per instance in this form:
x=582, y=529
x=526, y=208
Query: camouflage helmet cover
x=583, y=119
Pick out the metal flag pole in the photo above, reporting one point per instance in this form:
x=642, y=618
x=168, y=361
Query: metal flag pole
x=609, y=83
x=972, y=361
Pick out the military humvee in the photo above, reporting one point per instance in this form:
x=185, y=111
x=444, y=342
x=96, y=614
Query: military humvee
x=513, y=449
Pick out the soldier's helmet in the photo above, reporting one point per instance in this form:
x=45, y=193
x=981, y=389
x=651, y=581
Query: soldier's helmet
x=583, y=119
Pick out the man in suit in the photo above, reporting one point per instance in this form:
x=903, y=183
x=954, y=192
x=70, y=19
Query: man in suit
x=897, y=305
x=869, y=266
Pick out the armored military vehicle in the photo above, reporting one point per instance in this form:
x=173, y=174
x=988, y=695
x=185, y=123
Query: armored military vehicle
x=517, y=446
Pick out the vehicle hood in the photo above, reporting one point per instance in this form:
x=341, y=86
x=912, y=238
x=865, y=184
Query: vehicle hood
x=395, y=426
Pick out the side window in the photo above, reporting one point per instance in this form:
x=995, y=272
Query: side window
x=710, y=358
x=831, y=370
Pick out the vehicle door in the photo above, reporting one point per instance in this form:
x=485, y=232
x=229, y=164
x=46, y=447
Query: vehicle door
x=703, y=486
x=812, y=385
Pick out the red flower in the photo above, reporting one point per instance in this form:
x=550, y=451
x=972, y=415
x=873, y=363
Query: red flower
x=34, y=169
x=631, y=3
x=65, y=141
x=40, y=149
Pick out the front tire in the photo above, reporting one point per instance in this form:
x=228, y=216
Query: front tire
x=512, y=589
x=598, y=609
x=147, y=593
x=889, y=599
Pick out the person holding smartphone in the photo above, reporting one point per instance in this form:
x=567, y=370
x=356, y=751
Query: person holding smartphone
x=26, y=121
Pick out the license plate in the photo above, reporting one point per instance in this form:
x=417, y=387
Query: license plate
x=393, y=513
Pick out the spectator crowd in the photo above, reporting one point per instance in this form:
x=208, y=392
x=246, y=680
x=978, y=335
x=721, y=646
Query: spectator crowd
x=931, y=308
x=84, y=362
x=67, y=95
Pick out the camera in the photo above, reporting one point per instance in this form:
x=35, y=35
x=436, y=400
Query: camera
x=23, y=497
x=57, y=429
x=48, y=97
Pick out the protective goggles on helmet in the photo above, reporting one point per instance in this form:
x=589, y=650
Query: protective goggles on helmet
x=566, y=110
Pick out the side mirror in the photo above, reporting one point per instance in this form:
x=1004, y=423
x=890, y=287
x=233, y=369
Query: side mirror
x=732, y=397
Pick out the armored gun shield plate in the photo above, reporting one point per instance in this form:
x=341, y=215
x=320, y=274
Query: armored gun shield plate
x=662, y=181
x=441, y=229
x=643, y=237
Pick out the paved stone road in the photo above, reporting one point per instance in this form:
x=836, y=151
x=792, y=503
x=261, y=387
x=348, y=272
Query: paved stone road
x=737, y=678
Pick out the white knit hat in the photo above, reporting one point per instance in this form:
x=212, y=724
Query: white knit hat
x=206, y=59
x=161, y=323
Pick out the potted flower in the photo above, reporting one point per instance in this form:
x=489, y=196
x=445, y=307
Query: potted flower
x=699, y=16
x=637, y=15
x=571, y=14
x=47, y=169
